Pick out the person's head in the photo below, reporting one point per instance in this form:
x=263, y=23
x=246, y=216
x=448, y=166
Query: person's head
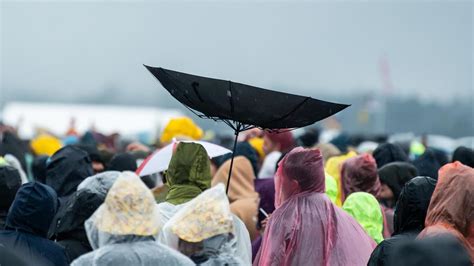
x=300, y=170
x=188, y=174
x=10, y=182
x=181, y=128
x=33, y=209
x=452, y=203
x=123, y=162
x=365, y=208
x=328, y=151
x=274, y=141
x=393, y=177
x=39, y=168
x=129, y=212
x=427, y=164
x=387, y=153
x=412, y=205
x=242, y=149
x=464, y=155
x=359, y=174
x=66, y=169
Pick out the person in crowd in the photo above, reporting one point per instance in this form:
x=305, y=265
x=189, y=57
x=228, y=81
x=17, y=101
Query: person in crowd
x=389, y=153
x=45, y=145
x=427, y=164
x=188, y=175
x=333, y=167
x=307, y=228
x=274, y=145
x=365, y=208
x=123, y=162
x=451, y=208
x=39, y=168
x=434, y=251
x=242, y=195
x=207, y=241
x=393, y=177
x=70, y=232
x=10, y=143
x=464, y=155
x=409, y=218
x=331, y=187
x=27, y=225
x=122, y=231
x=359, y=174
x=10, y=182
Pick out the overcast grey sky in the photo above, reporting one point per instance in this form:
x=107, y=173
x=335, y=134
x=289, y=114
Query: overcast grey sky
x=80, y=48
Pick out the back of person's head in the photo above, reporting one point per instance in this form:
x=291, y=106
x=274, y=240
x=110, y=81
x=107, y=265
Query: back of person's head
x=427, y=164
x=242, y=149
x=283, y=141
x=387, y=153
x=189, y=172
x=123, y=162
x=464, y=155
x=412, y=205
x=10, y=182
x=66, y=169
x=441, y=250
x=359, y=173
x=33, y=209
x=306, y=167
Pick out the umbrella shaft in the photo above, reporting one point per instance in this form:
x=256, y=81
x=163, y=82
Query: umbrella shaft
x=232, y=158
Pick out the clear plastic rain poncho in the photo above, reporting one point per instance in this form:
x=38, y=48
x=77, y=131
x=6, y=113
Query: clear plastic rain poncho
x=207, y=223
x=122, y=231
x=101, y=183
x=307, y=228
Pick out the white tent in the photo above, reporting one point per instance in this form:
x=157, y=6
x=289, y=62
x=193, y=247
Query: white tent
x=56, y=118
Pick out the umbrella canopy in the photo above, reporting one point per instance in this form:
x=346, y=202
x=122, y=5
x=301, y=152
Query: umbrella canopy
x=242, y=106
x=248, y=105
x=159, y=160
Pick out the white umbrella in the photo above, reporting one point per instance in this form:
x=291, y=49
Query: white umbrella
x=159, y=160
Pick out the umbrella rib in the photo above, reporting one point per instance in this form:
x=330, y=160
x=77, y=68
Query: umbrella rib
x=292, y=111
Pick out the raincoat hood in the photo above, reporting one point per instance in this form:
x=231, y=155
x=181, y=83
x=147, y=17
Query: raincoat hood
x=99, y=184
x=331, y=188
x=242, y=179
x=39, y=168
x=452, y=205
x=45, y=144
x=188, y=174
x=33, y=209
x=182, y=127
x=67, y=168
x=388, y=153
x=395, y=175
x=284, y=139
x=359, y=174
x=427, y=164
x=366, y=210
x=464, y=155
x=412, y=205
x=10, y=182
x=307, y=226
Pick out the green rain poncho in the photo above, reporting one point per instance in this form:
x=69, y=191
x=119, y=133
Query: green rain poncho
x=188, y=174
x=331, y=188
x=365, y=208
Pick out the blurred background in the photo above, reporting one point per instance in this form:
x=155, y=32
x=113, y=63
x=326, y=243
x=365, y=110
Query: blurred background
x=405, y=67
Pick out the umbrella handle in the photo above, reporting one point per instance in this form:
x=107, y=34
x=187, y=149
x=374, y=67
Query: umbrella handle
x=237, y=131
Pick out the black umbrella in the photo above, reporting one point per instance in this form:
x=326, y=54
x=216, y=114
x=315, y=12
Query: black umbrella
x=241, y=106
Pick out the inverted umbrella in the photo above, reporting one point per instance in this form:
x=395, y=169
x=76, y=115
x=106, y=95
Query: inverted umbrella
x=241, y=106
x=159, y=160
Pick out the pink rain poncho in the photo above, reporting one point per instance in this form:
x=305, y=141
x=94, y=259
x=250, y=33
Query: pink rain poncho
x=307, y=228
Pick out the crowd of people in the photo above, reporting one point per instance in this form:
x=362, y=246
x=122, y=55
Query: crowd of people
x=293, y=200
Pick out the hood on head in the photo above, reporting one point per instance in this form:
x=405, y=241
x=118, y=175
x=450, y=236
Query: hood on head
x=67, y=169
x=412, y=205
x=464, y=155
x=388, y=153
x=39, y=168
x=10, y=182
x=427, y=164
x=123, y=162
x=33, y=209
x=396, y=174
